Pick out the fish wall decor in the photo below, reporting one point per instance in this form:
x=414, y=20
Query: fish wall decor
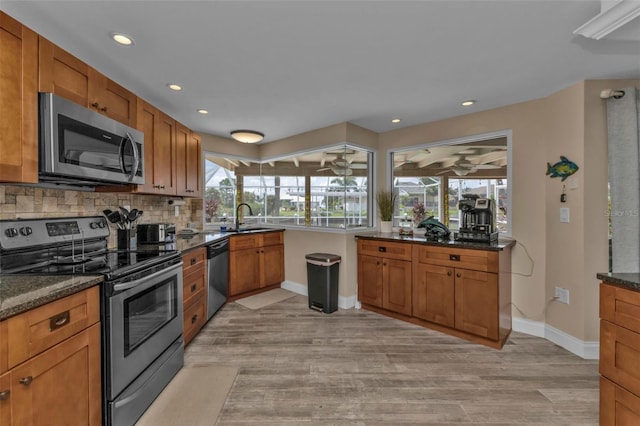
x=562, y=169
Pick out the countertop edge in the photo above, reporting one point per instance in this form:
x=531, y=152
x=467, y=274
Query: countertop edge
x=499, y=246
x=628, y=280
x=41, y=289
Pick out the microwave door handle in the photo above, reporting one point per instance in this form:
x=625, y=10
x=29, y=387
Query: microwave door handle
x=136, y=156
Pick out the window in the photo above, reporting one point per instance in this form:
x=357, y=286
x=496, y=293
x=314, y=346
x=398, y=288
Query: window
x=319, y=189
x=435, y=178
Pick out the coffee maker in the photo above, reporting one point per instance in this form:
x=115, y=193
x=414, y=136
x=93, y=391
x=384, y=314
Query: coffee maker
x=477, y=220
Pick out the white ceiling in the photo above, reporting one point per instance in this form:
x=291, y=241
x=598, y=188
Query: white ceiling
x=287, y=67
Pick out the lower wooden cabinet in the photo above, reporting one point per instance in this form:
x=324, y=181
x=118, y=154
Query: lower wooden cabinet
x=194, y=292
x=619, y=356
x=60, y=383
x=460, y=291
x=256, y=262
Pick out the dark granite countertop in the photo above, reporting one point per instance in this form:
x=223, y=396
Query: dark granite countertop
x=628, y=280
x=420, y=239
x=19, y=293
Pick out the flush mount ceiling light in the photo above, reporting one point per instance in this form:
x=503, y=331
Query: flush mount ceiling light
x=175, y=87
x=203, y=111
x=468, y=103
x=123, y=39
x=247, y=136
x=395, y=120
x=610, y=19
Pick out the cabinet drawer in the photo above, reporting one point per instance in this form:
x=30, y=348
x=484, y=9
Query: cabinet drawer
x=617, y=405
x=620, y=306
x=272, y=238
x=193, y=259
x=194, y=317
x=193, y=283
x=241, y=242
x=477, y=260
x=620, y=356
x=37, y=330
x=386, y=249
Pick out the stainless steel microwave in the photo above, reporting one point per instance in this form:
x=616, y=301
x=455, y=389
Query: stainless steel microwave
x=82, y=147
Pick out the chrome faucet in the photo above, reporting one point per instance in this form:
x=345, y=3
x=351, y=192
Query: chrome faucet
x=238, y=215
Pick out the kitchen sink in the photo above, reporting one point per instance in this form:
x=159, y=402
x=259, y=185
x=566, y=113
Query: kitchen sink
x=248, y=230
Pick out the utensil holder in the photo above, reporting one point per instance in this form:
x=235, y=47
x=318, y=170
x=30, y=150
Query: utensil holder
x=127, y=239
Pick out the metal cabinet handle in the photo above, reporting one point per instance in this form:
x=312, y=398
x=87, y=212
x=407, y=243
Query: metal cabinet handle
x=95, y=105
x=59, y=320
x=193, y=287
x=4, y=395
x=449, y=273
x=194, y=261
x=458, y=275
x=454, y=257
x=26, y=380
x=194, y=318
x=103, y=109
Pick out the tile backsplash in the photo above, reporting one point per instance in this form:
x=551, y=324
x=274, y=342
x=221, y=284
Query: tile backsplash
x=33, y=202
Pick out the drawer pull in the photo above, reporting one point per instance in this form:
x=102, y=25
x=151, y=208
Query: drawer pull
x=193, y=287
x=4, y=395
x=449, y=273
x=194, y=318
x=454, y=257
x=59, y=320
x=194, y=261
x=26, y=380
x=458, y=275
x=382, y=249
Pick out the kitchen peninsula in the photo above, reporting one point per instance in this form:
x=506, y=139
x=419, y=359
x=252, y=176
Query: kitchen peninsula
x=459, y=288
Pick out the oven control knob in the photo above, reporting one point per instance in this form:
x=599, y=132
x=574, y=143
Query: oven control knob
x=93, y=225
x=11, y=232
x=26, y=230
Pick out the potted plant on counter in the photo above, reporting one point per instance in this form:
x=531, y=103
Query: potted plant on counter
x=386, y=203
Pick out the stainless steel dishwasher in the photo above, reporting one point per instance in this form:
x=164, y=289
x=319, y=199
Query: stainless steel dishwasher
x=218, y=268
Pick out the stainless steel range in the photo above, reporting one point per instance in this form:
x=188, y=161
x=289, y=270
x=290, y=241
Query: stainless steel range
x=141, y=306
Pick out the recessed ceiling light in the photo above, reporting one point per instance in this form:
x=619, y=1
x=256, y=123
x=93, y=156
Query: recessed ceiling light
x=175, y=87
x=203, y=111
x=395, y=120
x=468, y=103
x=123, y=39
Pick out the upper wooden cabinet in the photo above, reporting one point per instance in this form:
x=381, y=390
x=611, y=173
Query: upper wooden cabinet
x=67, y=76
x=188, y=162
x=159, y=151
x=18, y=102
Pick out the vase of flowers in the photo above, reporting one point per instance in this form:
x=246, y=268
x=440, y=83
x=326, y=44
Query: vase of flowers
x=418, y=213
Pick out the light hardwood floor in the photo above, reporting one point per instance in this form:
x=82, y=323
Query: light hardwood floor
x=354, y=367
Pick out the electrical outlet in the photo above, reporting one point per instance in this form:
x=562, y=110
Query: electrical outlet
x=562, y=295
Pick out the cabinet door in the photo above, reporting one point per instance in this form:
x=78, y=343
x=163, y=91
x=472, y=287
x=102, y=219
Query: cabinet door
x=272, y=265
x=476, y=303
x=620, y=355
x=396, y=284
x=18, y=102
x=618, y=407
x=109, y=98
x=159, y=151
x=61, y=73
x=433, y=294
x=187, y=162
x=370, y=280
x=244, y=271
x=61, y=385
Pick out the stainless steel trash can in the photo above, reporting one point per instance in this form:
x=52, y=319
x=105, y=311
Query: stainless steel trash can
x=322, y=281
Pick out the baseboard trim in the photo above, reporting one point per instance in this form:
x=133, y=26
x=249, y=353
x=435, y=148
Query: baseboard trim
x=585, y=350
x=343, y=302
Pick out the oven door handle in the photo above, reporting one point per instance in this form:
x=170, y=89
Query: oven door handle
x=135, y=283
